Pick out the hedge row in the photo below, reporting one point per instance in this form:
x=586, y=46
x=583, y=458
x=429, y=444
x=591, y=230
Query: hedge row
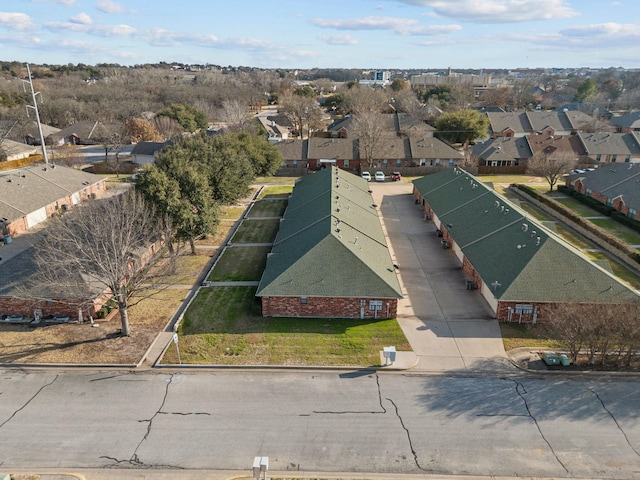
x=587, y=225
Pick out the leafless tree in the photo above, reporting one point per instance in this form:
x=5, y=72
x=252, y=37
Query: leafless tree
x=368, y=128
x=362, y=99
x=304, y=113
x=167, y=127
x=566, y=322
x=235, y=114
x=102, y=245
x=69, y=156
x=551, y=167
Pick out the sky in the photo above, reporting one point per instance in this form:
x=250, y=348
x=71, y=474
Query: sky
x=375, y=34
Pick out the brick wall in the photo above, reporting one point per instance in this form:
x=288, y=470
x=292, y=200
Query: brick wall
x=326, y=307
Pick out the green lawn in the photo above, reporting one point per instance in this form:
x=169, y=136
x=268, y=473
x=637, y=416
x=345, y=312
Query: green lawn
x=515, y=335
x=281, y=191
x=624, y=233
x=240, y=264
x=268, y=208
x=256, y=231
x=578, y=207
x=223, y=326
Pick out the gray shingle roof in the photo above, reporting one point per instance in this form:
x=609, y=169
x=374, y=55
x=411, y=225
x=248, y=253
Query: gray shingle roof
x=537, y=121
x=518, y=258
x=503, y=148
x=630, y=120
x=293, y=149
x=27, y=189
x=615, y=180
x=606, y=143
x=342, y=148
x=330, y=243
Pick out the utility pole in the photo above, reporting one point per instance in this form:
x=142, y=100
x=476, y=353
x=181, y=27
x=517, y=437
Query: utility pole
x=35, y=108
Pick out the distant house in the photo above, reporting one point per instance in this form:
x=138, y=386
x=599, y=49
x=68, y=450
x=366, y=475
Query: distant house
x=330, y=258
x=520, y=267
x=29, y=195
x=607, y=147
x=502, y=152
x=144, y=153
x=430, y=151
x=294, y=152
x=617, y=186
x=339, y=152
x=278, y=127
x=15, y=150
x=555, y=146
x=627, y=123
x=84, y=133
x=520, y=124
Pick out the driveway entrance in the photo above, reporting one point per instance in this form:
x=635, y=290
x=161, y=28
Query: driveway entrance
x=448, y=326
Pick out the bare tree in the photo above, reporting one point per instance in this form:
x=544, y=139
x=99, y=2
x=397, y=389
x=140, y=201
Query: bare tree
x=102, y=244
x=69, y=156
x=551, y=167
x=304, y=113
x=368, y=128
x=566, y=322
x=235, y=114
x=166, y=127
x=361, y=99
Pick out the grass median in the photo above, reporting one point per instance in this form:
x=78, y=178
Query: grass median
x=223, y=326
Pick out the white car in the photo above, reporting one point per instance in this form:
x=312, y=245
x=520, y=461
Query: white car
x=379, y=176
x=366, y=176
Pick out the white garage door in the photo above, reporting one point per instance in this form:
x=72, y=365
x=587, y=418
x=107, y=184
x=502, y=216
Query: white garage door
x=36, y=217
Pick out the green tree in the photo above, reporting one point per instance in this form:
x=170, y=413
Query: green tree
x=265, y=157
x=179, y=189
x=462, y=126
x=586, y=91
x=189, y=118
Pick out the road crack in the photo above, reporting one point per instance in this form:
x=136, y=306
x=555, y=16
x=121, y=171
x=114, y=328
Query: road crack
x=355, y=412
x=522, y=391
x=135, y=461
x=624, y=434
x=404, y=427
x=29, y=401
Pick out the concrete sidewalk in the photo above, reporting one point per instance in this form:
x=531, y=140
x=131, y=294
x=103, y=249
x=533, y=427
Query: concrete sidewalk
x=448, y=326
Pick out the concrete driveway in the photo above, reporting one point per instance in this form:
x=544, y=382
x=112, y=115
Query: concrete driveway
x=448, y=326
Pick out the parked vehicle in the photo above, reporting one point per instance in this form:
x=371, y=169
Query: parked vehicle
x=380, y=177
x=395, y=176
x=366, y=176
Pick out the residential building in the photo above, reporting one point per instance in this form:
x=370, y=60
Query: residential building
x=519, y=266
x=520, y=124
x=617, y=186
x=502, y=152
x=29, y=195
x=330, y=258
x=627, y=123
x=607, y=147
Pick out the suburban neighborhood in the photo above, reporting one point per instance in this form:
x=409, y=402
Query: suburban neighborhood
x=426, y=228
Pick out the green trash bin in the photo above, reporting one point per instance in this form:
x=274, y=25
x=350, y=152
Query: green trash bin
x=551, y=358
x=564, y=360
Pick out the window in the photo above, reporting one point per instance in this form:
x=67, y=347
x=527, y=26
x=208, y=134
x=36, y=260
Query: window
x=588, y=192
x=423, y=162
x=294, y=164
x=398, y=163
x=632, y=213
x=384, y=162
x=346, y=163
x=303, y=300
x=627, y=158
x=609, y=202
x=598, y=157
x=375, y=304
x=614, y=157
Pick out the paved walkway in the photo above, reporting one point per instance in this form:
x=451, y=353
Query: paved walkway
x=449, y=327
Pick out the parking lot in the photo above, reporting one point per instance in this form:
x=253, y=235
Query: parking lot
x=448, y=326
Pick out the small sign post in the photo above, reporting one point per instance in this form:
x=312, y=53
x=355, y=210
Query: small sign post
x=175, y=340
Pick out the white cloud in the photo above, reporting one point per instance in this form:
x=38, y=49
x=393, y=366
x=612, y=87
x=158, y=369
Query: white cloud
x=403, y=26
x=340, y=39
x=498, y=11
x=98, y=30
x=16, y=21
x=108, y=6
x=67, y=3
x=81, y=18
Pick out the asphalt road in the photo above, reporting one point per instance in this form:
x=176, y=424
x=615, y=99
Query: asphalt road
x=355, y=421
